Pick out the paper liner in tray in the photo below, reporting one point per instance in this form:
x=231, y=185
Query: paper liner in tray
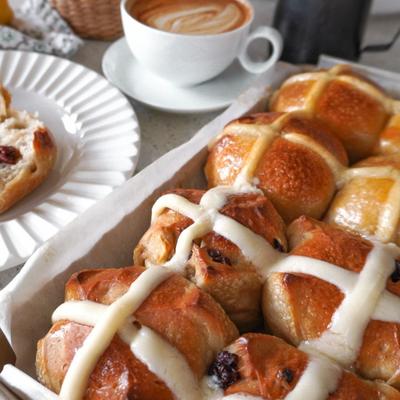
x=106, y=234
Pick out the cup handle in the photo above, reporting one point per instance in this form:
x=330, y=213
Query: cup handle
x=274, y=37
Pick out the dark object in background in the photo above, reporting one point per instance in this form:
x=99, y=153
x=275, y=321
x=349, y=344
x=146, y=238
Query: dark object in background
x=333, y=27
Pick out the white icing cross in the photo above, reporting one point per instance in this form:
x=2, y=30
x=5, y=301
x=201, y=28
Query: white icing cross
x=112, y=318
x=207, y=218
x=365, y=299
x=161, y=358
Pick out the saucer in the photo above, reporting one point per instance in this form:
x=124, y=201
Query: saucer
x=122, y=70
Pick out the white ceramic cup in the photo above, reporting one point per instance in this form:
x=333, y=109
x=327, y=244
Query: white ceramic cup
x=186, y=59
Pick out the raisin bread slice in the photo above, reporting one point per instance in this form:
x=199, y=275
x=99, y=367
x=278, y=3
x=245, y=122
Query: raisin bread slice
x=28, y=152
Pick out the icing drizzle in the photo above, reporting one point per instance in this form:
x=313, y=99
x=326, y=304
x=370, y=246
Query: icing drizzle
x=207, y=218
x=113, y=317
x=342, y=341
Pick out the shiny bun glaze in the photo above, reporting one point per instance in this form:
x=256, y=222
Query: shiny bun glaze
x=293, y=160
x=201, y=17
x=353, y=107
x=307, y=306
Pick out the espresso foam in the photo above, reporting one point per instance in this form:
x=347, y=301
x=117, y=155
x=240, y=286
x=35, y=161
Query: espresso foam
x=196, y=17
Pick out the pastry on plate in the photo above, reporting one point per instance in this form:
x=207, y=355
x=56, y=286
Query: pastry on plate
x=221, y=240
x=293, y=160
x=132, y=333
x=339, y=294
x=28, y=152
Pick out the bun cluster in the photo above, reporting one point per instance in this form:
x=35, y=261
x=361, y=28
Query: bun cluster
x=280, y=281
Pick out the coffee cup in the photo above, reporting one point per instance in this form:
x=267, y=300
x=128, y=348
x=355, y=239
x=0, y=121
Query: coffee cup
x=187, y=42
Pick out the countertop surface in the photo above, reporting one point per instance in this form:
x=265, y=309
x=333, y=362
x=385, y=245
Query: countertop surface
x=162, y=131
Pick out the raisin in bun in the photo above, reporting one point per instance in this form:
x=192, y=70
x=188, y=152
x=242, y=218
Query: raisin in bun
x=353, y=107
x=293, y=160
x=27, y=152
x=268, y=368
x=149, y=334
x=338, y=293
x=221, y=240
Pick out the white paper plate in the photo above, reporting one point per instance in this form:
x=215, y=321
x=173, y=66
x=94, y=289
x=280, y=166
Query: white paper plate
x=98, y=140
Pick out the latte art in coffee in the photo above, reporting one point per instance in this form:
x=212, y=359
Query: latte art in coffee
x=197, y=17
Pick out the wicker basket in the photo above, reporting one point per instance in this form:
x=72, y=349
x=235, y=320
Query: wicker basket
x=91, y=19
